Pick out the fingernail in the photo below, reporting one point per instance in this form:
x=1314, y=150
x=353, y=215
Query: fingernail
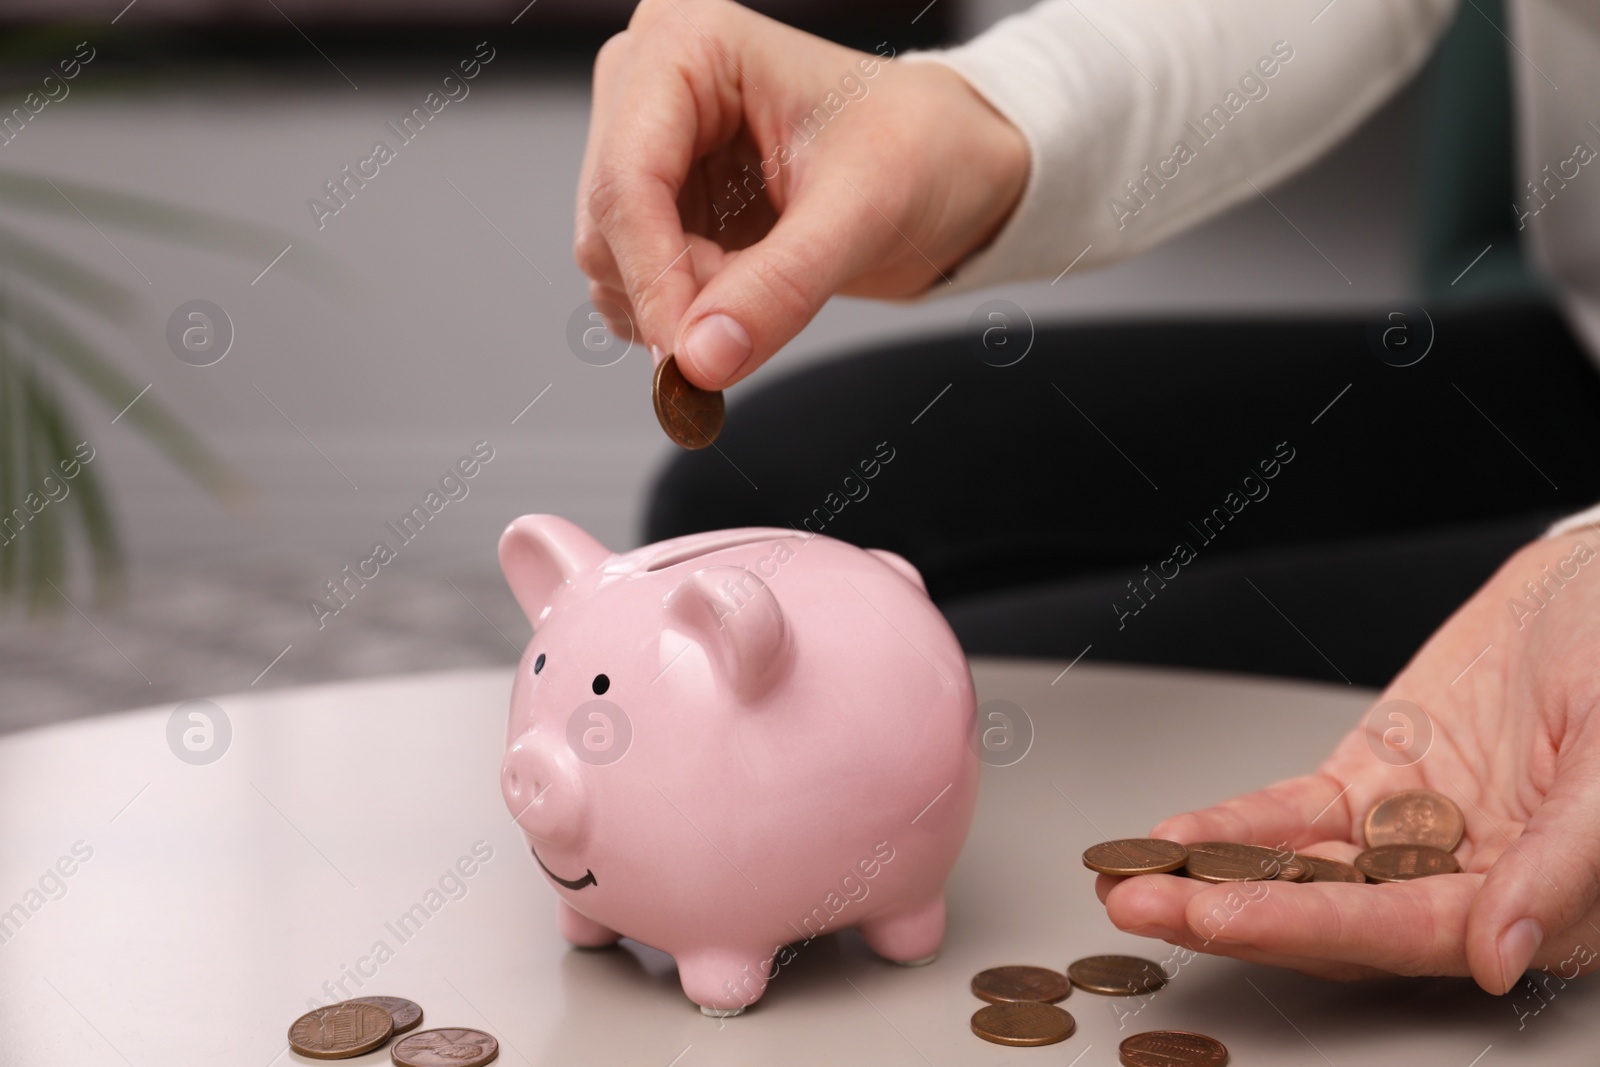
x=718, y=346
x=1518, y=943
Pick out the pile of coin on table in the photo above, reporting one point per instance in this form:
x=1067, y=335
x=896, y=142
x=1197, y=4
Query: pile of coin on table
x=353, y=1027
x=1022, y=1009
x=1408, y=835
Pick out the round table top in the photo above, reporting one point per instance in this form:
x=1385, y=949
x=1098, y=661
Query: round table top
x=161, y=911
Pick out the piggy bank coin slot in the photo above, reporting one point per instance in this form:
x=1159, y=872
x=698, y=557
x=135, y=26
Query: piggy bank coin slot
x=698, y=548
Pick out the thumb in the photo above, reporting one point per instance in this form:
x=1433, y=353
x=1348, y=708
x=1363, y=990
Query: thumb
x=768, y=292
x=1545, y=881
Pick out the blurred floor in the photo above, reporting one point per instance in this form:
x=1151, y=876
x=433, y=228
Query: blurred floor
x=229, y=626
x=344, y=408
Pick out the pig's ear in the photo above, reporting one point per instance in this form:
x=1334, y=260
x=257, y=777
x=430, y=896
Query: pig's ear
x=732, y=614
x=540, y=552
x=901, y=564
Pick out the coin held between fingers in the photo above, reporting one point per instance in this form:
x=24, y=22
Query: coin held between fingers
x=691, y=416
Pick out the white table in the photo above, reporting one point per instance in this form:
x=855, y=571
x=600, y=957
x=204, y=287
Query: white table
x=218, y=898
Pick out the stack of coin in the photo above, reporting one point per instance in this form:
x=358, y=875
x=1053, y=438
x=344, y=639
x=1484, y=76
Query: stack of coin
x=1411, y=835
x=1021, y=1008
x=353, y=1027
x=1408, y=835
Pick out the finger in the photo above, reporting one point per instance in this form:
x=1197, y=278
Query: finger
x=768, y=292
x=1156, y=906
x=1546, y=879
x=613, y=307
x=594, y=258
x=588, y=243
x=1105, y=883
x=1415, y=927
x=1292, y=812
x=663, y=117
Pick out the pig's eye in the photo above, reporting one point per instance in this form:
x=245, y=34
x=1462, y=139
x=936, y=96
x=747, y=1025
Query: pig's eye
x=538, y=664
x=601, y=684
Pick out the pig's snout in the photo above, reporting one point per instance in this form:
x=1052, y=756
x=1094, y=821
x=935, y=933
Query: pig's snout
x=543, y=791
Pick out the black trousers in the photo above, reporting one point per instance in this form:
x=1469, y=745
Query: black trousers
x=1274, y=496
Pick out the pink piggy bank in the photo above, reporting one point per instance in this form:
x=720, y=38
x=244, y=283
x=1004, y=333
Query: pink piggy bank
x=726, y=744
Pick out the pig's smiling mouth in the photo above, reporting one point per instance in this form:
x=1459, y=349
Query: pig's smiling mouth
x=588, y=878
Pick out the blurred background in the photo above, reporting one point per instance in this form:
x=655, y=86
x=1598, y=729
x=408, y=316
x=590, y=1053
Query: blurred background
x=364, y=353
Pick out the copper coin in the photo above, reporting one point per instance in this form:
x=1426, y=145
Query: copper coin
x=691, y=416
x=445, y=1048
x=1417, y=817
x=1005, y=985
x=1116, y=976
x=1135, y=855
x=1172, y=1048
x=1401, y=863
x=1326, y=870
x=1295, y=868
x=407, y=1013
x=340, y=1031
x=1227, y=861
x=1025, y=1022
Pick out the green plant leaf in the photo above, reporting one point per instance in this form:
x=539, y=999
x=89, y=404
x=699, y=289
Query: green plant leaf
x=142, y=214
x=48, y=269
x=36, y=434
x=84, y=489
x=47, y=533
x=12, y=433
x=61, y=342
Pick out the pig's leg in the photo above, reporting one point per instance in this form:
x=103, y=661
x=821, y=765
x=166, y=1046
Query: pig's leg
x=909, y=936
x=723, y=981
x=581, y=930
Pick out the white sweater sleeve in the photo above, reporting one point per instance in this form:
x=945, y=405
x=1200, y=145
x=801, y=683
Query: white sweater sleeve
x=1582, y=520
x=1145, y=117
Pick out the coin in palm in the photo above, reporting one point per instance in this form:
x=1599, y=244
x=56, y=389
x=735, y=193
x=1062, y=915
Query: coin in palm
x=1228, y=861
x=1135, y=855
x=1401, y=863
x=1326, y=870
x=1294, y=869
x=1415, y=817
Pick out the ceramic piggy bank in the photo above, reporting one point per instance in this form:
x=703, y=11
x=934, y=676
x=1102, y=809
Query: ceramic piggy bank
x=726, y=744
